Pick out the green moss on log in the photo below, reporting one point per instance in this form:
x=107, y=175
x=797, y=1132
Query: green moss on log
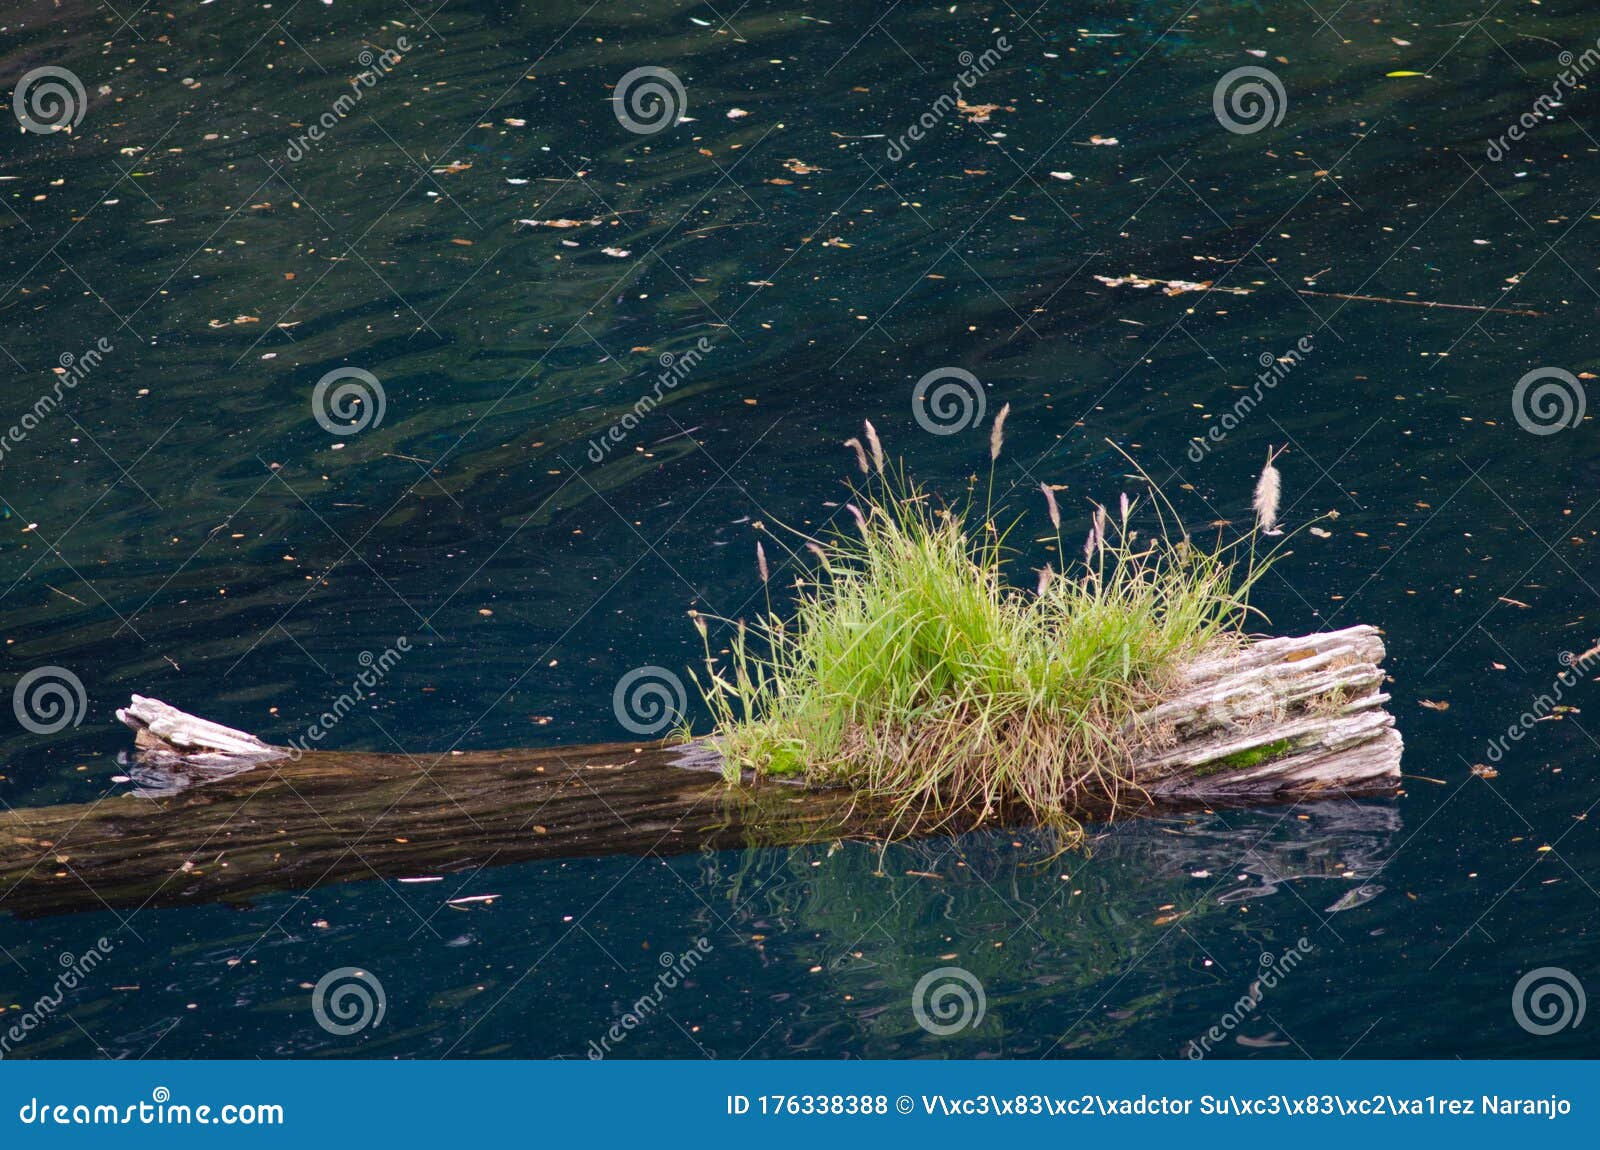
x=1249, y=757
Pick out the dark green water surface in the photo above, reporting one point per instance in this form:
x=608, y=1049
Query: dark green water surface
x=181, y=526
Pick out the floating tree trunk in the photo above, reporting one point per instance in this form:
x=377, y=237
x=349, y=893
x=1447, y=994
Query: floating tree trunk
x=218, y=814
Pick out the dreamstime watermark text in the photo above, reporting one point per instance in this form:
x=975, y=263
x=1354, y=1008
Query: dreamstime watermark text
x=159, y=1110
x=675, y=368
x=1274, y=370
x=1545, y=704
x=1568, y=80
x=374, y=669
x=973, y=69
x=1274, y=969
x=675, y=968
x=374, y=67
x=75, y=969
x=71, y=370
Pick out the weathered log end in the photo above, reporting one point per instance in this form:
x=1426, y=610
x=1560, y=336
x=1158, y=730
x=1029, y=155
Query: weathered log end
x=161, y=729
x=1278, y=717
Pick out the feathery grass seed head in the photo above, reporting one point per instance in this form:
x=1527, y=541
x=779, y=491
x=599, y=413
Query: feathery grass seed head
x=1269, y=490
x=997, y=433
x=875, y=444
x=1050, y=500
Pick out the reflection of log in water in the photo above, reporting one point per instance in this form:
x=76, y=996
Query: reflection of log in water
x=219, y=815
x=1336, y=840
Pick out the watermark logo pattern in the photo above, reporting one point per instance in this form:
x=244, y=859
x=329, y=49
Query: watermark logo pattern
x=1548, y=1000
x=947, y=400
x=649, y=100
x=49, y=99
x=948, y=1000
x=49, y=699
x=1548, y=400
x=1248, y=99
x=347, y=1000
x=648, y=700
x=348, y=400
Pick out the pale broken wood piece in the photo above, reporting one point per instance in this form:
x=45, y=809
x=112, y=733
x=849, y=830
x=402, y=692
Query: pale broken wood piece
x=220, y=814
x=163, y=729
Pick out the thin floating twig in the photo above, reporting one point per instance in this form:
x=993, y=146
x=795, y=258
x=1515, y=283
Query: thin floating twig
x=1425, y=303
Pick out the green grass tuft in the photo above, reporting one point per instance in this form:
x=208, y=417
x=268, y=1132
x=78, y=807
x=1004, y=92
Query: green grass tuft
x=912, y=672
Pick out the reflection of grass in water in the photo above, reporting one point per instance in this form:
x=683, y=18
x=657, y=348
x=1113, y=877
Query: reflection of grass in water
x=857, y=925
x=1154, y=897
x=878, y=930
x=911, y=673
